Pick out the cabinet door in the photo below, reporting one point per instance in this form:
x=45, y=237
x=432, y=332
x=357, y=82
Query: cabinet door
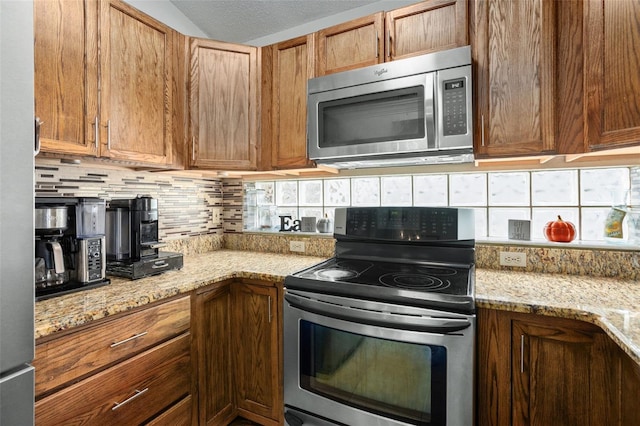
x=537, y=370
x=514, y=51
x=630, y=389
x=257, y=350
x=292, y=66
x=426, y=27
x=135, y=81
x=561, y=374
x=213, y=346
x=223, y=105
x=612, y=61
x=66, y=77
x=350, y=45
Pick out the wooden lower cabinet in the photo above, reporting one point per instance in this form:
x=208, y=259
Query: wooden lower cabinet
x=132, y=369
x=237, y=339
x=537, y=370
x=129, y=393
x=257, y=348
x=212, y=343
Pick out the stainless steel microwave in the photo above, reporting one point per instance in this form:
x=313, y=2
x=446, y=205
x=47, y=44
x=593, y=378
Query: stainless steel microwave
x=407, y=112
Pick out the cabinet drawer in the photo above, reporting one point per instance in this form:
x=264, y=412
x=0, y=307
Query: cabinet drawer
x=69, y=358
x=178, y=415
x=128, y=393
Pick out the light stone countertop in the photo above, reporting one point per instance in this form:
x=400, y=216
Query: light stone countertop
x=613, y=305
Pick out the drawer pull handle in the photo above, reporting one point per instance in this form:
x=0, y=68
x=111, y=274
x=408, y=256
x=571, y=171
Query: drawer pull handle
x=160, y=265
x=135, y=336
x=128, y=400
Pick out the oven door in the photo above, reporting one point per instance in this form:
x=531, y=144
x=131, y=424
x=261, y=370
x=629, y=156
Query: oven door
x=395, y=116
x=351, y=361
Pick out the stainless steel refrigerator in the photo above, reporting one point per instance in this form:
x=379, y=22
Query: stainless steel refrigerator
x=16, y=213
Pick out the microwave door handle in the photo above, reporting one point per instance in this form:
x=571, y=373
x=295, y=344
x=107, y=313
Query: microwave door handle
x=430, y=94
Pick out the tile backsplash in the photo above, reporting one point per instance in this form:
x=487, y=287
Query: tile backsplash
x=188, y=206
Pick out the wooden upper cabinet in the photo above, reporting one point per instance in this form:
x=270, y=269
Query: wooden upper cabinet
x=350, y=45
x=223, y=101
x=136, y=101
x=114, y=102
x=291, y=65
x=514, y=57
x=66, y=75
x=426, y=27
x=421, y=28
x=612, y=76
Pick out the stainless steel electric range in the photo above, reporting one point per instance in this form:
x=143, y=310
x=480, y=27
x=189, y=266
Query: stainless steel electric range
x=384, y=332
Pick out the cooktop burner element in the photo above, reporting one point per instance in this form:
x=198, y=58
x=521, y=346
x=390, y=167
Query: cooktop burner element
x=414, y=282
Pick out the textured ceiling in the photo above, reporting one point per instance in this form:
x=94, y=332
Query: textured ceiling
x=239, y=21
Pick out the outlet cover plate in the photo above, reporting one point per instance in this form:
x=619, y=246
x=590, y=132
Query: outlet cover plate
x=296, y=246
x=510, y=258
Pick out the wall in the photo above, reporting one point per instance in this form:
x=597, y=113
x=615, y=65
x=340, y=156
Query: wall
x=329, y=21
x=165, y=12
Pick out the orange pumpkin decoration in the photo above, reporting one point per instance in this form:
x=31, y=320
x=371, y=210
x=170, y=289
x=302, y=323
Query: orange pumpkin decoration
x=560, y=231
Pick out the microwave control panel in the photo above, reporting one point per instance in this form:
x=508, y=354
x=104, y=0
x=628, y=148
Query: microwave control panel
x=454, y=107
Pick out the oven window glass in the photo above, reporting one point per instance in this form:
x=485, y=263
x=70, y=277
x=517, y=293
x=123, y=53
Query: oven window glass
x=399, y=380
x=394, y=115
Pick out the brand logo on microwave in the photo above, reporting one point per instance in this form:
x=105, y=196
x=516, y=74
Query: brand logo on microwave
x=378, y=73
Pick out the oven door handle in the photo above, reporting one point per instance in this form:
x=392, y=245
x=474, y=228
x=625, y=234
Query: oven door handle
x=439, y=325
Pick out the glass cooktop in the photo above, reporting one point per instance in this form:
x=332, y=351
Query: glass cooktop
x=447, y=280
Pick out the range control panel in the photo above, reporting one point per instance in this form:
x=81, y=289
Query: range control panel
x=405, y=223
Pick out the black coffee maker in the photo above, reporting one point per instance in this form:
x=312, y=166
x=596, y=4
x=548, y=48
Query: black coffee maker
x=132, y=239
x=69, y=245
x=132, y=229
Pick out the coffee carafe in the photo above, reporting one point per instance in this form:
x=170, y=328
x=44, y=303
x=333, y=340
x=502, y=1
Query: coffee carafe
x=50, y=223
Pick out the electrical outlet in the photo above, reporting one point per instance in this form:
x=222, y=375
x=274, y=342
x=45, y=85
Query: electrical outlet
x=296, y=246
x=508, y=258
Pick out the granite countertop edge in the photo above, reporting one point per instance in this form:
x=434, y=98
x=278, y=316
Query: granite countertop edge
x=611, y=304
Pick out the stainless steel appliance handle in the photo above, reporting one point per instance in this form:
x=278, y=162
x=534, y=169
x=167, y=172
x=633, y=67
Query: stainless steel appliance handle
x=128, y=400
x=135, y=336
x=38, y=123
x=440, y=325
x=431, y=90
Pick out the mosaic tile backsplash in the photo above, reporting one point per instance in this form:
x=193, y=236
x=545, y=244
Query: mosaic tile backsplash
x=188, y=206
